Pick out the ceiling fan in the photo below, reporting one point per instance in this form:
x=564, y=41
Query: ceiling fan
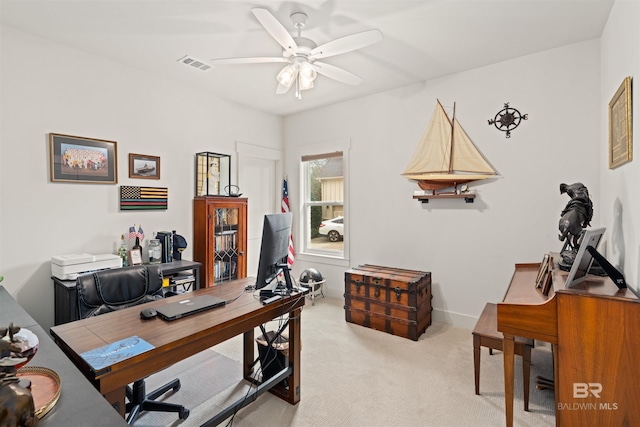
x=301, y=54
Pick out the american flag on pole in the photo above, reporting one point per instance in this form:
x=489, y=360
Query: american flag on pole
x=285, y=209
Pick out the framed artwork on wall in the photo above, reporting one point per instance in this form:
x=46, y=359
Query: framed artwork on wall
x=620, y=126
x=143, y=166
x=82, y=160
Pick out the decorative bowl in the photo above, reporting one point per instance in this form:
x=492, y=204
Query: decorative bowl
x=27, y=342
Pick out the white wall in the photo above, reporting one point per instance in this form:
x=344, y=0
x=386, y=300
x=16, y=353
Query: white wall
x=47, y=87
x=620, y=205
x=469, y=248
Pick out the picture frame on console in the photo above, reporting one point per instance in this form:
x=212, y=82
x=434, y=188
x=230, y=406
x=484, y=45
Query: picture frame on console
x=544, y=266
x=144, y=166
x=547, y=279
x=135, y=257
x=82, y=160
x=620, y=126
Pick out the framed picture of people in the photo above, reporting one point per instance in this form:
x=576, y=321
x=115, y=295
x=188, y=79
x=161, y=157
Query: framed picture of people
x=82, y=160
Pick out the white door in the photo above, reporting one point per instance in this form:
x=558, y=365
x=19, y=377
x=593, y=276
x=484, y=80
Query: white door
x=259, y=183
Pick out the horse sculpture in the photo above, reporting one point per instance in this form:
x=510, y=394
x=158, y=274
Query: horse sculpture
x=576, y=215
x=16, y=402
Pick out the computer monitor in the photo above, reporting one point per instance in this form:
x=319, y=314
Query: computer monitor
x=584, y=258
x=274, y=249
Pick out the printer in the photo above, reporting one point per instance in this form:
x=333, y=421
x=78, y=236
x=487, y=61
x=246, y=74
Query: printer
x=69, y=267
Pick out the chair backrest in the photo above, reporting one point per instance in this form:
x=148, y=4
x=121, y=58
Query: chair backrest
x=109, y=290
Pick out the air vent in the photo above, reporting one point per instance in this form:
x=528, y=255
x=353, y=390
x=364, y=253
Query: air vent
x=195, y=63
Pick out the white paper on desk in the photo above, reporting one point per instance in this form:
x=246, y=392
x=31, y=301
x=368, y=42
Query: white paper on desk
x=110, y=354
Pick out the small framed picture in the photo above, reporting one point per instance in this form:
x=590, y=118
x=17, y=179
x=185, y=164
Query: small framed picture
x=544, y=267
x=135, y=257
x=82, y=160
x=620, y=126
x=547, y=280
x=143, y=166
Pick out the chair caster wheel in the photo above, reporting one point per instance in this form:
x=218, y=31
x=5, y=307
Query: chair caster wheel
x=176, y=388
x=183, y=414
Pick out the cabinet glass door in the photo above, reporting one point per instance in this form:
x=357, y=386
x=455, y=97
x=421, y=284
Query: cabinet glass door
x=226, y=244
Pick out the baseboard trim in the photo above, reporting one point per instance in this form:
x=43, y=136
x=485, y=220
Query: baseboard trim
x=456, y=319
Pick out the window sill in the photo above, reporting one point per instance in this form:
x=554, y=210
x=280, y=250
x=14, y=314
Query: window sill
x=323, y=259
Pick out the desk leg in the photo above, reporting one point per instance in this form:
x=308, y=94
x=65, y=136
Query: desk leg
x=508, y=348
x=116, y=399
x=248, y=344
x=294, y=356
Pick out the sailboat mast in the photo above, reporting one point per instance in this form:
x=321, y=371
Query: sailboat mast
x=452, y=141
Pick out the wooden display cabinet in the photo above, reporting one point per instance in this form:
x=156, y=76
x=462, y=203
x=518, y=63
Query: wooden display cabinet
x=220, y=238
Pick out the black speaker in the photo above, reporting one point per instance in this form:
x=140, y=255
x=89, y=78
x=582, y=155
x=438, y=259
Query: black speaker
x=166, y=242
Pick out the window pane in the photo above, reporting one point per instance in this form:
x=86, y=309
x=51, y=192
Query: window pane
x=324, y=204
x=326, y=229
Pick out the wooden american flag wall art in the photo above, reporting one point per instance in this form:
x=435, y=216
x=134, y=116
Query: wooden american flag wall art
x=143, y=198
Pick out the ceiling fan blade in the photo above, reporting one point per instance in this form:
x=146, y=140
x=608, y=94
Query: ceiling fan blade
x=254, y=60
x=276, y=29
x=337, y=73
x=346, y=44
x=282, y=89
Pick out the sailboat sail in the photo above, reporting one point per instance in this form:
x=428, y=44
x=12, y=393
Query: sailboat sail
x=446, y=156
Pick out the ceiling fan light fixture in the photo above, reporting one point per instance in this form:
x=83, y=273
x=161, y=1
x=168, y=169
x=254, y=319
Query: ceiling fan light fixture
x=300, y=54
x=307, y=71
x=305, y=83
x=287, y=75
x=306, y=76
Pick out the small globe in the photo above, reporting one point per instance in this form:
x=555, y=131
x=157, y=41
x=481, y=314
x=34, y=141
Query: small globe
x=311, y=275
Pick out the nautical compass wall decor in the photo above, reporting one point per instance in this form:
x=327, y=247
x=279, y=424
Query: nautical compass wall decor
x=508, y=119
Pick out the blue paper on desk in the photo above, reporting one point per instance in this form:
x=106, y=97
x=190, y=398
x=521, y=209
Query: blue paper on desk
x=107, y=355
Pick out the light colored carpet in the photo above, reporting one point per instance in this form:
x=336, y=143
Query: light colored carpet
x=355, y=376
x=201, y=376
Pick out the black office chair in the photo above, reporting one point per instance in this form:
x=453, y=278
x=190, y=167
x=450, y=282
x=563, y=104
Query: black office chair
x=111, y=290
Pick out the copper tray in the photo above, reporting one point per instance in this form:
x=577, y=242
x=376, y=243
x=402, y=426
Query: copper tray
x=45, y=387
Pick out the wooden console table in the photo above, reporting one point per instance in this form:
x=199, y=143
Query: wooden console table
x=79, y=402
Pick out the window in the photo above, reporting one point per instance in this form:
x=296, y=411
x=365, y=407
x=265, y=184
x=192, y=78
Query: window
x=323, y=207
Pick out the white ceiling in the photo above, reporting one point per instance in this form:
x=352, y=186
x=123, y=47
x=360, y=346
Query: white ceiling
x=422, y=40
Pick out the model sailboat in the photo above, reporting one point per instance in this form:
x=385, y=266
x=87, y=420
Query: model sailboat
x=446, y=157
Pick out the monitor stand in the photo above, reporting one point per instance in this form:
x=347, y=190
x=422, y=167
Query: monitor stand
x=279, y=290
x=287, y=277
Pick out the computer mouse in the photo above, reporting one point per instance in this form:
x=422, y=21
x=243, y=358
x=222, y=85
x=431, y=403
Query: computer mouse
x=148, y=313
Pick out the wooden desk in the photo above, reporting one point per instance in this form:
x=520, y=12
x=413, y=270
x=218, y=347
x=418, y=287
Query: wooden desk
x=177, y=340
x=593, y=331
x=79, y=403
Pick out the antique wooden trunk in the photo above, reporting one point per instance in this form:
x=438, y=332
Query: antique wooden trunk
x=388, y=299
